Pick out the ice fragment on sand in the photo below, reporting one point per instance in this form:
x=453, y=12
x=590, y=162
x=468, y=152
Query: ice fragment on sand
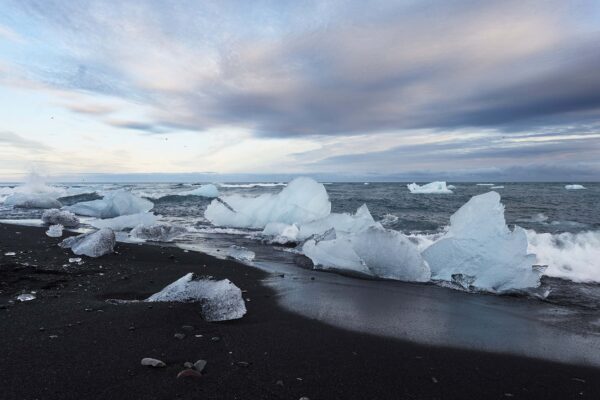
x=153, y=362
x=56, y=216
x=55, y=230
x=240, y=253
x=93, y=244
x=26, y=297
x=433, y=187
x=219, y=300
x=478, y=244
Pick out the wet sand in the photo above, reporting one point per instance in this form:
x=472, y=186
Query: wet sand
x=70, y=343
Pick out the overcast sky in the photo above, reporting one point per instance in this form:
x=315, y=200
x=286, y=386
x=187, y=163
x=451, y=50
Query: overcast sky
x=448, y=89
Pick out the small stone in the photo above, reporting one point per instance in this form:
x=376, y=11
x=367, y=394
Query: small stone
x=243, y=364
x=199, y=336
x=189, y=373
x=132, y=328
x=200, y=365
x=434, y=379
x=188, y=364
x=42, y=329
x=53, y=336
x=187, y=327
x=179, y=336
x=215, y=338
x=153, y=362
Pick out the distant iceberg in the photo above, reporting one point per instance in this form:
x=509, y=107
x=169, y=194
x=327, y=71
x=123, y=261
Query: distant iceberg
x=451, y=187
x=209, y=190
x=303, y=200
x=433, y=187
x=479, y=250
x=114, y=204
x=497, y=187
x=574, y=187
x=484, y=184
x=250, y=185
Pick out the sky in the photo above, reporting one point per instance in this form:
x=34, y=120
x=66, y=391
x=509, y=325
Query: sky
x=343, y=90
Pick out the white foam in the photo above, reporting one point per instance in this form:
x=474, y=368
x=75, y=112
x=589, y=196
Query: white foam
x=429, y=188
x=250, y=185
x=303, y=200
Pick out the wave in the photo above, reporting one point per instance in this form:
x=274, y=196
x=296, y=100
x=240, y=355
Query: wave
x=250, y=185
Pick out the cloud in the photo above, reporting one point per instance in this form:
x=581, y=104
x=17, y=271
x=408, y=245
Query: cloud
x=13, y=140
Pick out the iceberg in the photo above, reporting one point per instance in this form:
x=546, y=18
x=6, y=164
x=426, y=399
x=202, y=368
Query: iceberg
x=209, y=190
x=219, y=300
x=281, y=233
x=343, y=223
x=480, y=247
x=32, y=200
x=375, y=251
x=240, y=253
x=451, y=187
x=55, y=230
x=125, y=221
x=433, y=187
x=303, y=200
x=93, y=244
x=114, y=204
x=574, y=187
x=64, y=218
x=157, y=232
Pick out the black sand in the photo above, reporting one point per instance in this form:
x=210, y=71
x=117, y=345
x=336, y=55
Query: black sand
x=70, y=343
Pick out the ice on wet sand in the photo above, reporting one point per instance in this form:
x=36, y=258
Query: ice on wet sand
x=481, y=248
x=93, y=244
x=157, y=232
x=55, y=230
x=240, y=253
x=219, y=300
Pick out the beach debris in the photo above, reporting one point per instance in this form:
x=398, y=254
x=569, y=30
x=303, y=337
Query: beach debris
x=65, y=218
x=157, y=232
x=55, y=231
x=179, y=336
x=219, y=300
x=153, y=362
x=240, y=253
x=94, y=244
x=26, y=297
x=189, y=373
x=200, y=365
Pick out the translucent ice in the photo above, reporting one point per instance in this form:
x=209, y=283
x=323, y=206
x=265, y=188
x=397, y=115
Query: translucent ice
x=157, y=232
x=479, y=245
x=240, y=253
x=55, y=230
x=93, y=244
x=281, y=233
x=219, y=300
x=114, y=204
x=125, y=221
x=374, y=251
x=574, y=187
x=303, y=200
x=56, y=216
x=26, y=297
x=209, y=190
x=343, y=223
x=433, y=187
x=32, y=200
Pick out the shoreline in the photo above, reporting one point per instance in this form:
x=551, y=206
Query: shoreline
x=70, y=343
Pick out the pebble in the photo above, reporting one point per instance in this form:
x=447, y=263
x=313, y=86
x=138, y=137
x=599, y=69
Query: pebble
x=188, y=364
x=179, y=336
x=189, y=373
x=153, y=362
x=215, y=338
x=200, y=365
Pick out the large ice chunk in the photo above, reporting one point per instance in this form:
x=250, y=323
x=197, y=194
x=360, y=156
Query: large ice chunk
x=343, y=223
x=303, y=200
x=93, y=244
x=281, y=233
x=125, y=221
x=32, y=200
x=574, y=187
x=64, y=218
x=157, y=232
x=209, y=190
x=480, y=246
x=374, y=251
x=55, y=231
x=219, y=300
x=114, y=204
x=433, y=187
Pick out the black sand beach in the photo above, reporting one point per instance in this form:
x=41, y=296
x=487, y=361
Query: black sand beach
x=70, y=343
